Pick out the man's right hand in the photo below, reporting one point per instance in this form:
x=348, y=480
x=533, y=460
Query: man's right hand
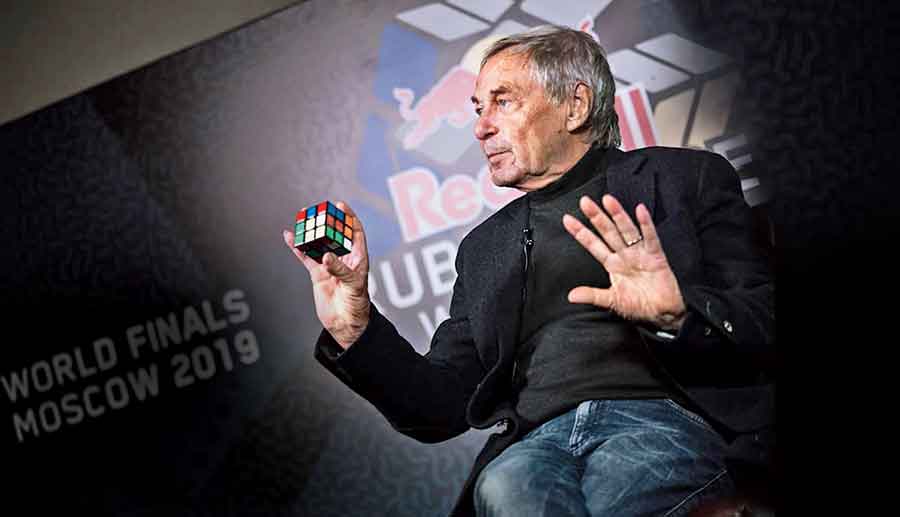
x=340, y=285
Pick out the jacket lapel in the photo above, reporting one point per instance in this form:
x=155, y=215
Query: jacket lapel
x=625, y=182
x=501, y=313
x=509, y=291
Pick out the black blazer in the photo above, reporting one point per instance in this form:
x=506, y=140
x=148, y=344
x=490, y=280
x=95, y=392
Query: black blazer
x=718, y=357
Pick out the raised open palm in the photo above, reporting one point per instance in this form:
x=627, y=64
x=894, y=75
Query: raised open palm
x=642, y=284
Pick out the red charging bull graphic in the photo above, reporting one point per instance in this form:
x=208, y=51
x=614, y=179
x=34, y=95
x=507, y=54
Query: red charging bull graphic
x=448, y=100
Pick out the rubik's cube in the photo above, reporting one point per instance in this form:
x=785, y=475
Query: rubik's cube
x=322, y=228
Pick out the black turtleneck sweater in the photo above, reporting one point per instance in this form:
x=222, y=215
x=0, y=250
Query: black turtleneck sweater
x=569, y=353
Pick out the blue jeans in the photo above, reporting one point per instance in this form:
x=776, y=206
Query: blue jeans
x=608, y=457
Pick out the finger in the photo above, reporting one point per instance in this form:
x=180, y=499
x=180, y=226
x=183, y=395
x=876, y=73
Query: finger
x=604, y=225
x=591, y=295
x=309, y=263
x=648, y=229
x=625, y=226
x=586, y=238
x=359, y=234
x=346, y=208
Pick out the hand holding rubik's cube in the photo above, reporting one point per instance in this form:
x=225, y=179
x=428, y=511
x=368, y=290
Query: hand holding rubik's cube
x=322, y=228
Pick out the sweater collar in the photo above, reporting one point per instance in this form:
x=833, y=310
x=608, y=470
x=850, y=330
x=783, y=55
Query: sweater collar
x=586, y=168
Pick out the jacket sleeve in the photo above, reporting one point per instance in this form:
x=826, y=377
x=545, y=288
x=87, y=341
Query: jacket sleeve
x=424, y=397
x=730, y=325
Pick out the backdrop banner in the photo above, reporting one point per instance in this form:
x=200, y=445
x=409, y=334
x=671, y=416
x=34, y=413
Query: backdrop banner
x=158, y=352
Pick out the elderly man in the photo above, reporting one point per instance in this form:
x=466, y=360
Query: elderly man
x=619, y=354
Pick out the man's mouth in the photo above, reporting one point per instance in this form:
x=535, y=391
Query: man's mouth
x=494, y=156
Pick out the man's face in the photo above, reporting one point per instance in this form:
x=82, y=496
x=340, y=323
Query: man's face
x=522, y=132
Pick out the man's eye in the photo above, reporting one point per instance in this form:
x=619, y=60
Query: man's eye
x=502, y=102
x=478, y=111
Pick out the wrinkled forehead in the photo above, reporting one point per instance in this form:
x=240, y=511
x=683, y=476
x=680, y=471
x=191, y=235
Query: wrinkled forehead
x=509, y=70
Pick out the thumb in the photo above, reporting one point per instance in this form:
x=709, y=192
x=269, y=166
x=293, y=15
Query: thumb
x=592, y=295
x=338, y=269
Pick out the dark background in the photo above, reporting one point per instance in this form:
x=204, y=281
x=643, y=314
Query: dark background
x=821, y=91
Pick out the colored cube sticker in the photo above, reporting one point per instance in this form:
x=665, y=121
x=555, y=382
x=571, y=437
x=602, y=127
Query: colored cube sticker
x=321, y=228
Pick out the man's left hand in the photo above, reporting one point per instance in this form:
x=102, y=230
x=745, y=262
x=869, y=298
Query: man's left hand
x=642, y=284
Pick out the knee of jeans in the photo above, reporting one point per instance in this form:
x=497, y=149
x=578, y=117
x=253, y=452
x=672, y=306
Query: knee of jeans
x=495, y=487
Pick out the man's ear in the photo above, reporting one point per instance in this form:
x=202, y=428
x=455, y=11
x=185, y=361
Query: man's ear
x=579, y=107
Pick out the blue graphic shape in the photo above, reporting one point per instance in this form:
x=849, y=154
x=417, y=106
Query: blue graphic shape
x=372, y=170
x=382, y=233
x=374, y=165
x=406, y=60
x=408, y=159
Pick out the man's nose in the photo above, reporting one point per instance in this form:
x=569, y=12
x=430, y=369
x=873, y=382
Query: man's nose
x=484, y=127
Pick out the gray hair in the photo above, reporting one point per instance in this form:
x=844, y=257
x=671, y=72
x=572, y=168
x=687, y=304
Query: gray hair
x=560, y=58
